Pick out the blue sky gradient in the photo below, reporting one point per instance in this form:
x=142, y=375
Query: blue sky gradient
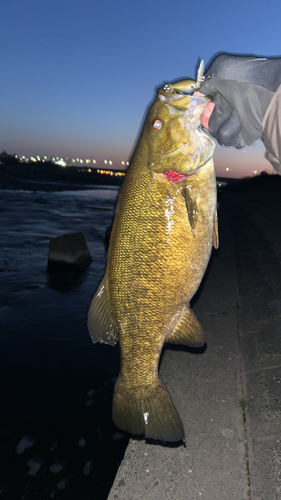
x=77, y=76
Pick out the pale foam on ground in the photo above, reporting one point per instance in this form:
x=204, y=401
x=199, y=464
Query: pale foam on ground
x=118, y=435
x=88, y=467
x=34, y=464
x=90, y=394
x=25, y=442
x=62, y=484
x=82, y=442
x=57, y=467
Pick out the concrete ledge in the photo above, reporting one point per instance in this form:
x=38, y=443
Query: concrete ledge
x=206, y=389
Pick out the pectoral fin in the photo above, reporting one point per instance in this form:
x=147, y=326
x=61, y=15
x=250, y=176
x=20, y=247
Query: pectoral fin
x=188, y=331
x=216, y=231
x=191, y=206
x=101, y=324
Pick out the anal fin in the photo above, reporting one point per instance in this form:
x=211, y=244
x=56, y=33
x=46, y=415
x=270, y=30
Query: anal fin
x=101, y=324
x=188, y=331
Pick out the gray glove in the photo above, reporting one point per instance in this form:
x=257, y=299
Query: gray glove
x=242, y=88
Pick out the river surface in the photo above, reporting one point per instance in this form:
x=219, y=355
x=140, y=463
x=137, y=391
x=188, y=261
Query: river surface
x=57, y=436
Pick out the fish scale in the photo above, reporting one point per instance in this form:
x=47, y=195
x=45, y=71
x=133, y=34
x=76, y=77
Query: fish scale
x=161, y=240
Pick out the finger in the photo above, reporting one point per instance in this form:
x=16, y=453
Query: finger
x=220, y=114
x=230, y=131
x=208, y=110
x=209, y=87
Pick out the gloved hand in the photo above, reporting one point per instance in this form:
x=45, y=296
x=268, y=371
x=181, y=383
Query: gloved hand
x=242, y=88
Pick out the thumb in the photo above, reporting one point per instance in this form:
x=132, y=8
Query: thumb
x=209, y=108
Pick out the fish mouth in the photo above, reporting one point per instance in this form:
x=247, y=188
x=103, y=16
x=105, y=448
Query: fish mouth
x=189, y=146
x=193, y=105
x=192, y=160
x=181, y=149
x=204, y=144
x=184, y=145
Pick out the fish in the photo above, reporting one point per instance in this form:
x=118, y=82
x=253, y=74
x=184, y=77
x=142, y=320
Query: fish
x=164, y=228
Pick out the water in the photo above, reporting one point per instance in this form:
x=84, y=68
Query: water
x=57, y=436
x=29, y=219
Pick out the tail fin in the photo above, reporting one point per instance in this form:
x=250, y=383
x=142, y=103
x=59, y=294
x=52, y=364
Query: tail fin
x=153, y=415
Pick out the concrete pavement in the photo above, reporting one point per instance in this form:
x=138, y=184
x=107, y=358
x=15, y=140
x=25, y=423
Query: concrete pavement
x=228, y=395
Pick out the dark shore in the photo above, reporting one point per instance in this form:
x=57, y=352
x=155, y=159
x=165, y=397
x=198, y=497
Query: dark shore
x=229, y=396
x=58, y=386
x=49, y=177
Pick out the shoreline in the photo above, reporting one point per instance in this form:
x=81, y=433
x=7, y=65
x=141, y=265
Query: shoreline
x=50, y=187
x=47, y=177
x=50, y=178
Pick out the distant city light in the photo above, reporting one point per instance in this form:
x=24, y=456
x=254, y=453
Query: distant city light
x=228, y=169
x=68, y=161
x=110, y=172
x=254, y=172
x=61, y=163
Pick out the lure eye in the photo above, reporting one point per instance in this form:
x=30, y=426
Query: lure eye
x=157, y=125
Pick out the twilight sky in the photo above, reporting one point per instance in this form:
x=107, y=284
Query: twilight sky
x=77, y=75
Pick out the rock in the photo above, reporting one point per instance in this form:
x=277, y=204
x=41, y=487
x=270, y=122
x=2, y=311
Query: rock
x=69, y=250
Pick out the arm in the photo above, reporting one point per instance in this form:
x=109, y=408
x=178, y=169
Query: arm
x=272, y=131
x=242, y=89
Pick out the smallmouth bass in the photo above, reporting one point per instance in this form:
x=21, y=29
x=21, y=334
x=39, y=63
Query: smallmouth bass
x=164, y=228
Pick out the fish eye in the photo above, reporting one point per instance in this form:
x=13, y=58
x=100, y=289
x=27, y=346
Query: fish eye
x=157, y=125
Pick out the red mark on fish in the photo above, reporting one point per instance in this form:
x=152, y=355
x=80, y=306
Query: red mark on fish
x=174, y=176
